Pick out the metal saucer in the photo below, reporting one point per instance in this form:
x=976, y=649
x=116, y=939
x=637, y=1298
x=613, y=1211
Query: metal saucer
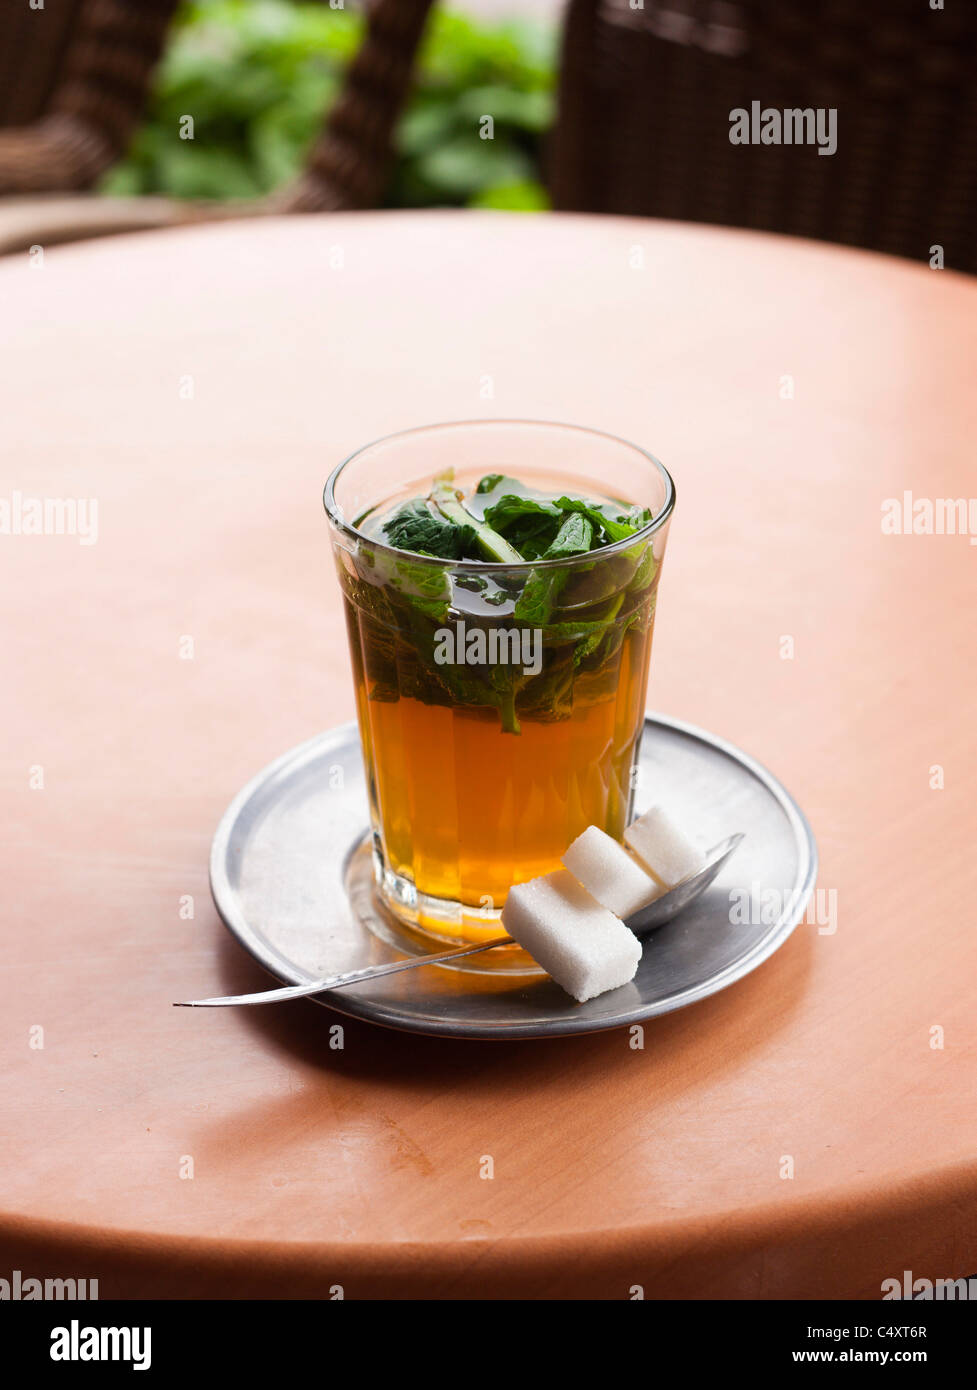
x=291, y=877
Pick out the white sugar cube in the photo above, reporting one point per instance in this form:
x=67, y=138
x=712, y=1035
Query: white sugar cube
x=582, y=945
x=664, y=848
x=609, y=873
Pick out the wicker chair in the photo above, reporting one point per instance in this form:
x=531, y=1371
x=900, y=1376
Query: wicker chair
x=74, y=79
x=76, y=74
x=33, y=44
x=646, y=96
x=347, y=167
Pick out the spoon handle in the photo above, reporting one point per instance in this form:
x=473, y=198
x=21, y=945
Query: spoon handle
x=351, y=977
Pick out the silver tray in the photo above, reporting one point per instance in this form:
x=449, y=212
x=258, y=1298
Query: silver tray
x=291, y=876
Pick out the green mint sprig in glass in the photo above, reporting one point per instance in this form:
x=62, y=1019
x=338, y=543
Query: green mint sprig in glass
x=580, y=612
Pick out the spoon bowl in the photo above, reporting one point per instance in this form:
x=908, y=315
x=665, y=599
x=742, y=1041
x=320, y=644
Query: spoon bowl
x=677, y=899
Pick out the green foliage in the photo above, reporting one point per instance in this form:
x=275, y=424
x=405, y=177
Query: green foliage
x=416, y=526
x=582, y=611
x=610, y=523
x=488, y=543
x=257, y=77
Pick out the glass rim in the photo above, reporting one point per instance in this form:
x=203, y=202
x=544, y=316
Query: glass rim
x=334, y=512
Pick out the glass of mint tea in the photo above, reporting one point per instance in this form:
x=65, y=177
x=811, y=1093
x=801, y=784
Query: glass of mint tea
x=499, y=580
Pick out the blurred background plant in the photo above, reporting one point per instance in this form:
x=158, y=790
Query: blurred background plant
x=257, y=76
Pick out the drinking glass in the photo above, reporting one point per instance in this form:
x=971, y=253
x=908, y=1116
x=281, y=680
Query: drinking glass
x=500, y=706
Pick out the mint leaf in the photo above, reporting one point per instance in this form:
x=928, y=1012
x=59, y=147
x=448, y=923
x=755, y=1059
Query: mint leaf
x=511, y=507
x=646, y=570
x=426, y=587
x=574, y=537
x=445, y=497
x=536, y=602
x=495, y=482
x=609, y=523
x=527, y=523
x=416, y=527
x=532, y=537
x=588, y=635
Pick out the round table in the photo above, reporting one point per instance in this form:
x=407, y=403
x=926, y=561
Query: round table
x=810, y=1131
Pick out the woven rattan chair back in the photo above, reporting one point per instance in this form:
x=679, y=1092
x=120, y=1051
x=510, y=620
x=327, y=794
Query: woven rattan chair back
x=646, y=95
x=78, y=74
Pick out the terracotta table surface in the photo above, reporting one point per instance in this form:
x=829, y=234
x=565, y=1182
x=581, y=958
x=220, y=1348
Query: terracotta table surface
x=200, y=384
